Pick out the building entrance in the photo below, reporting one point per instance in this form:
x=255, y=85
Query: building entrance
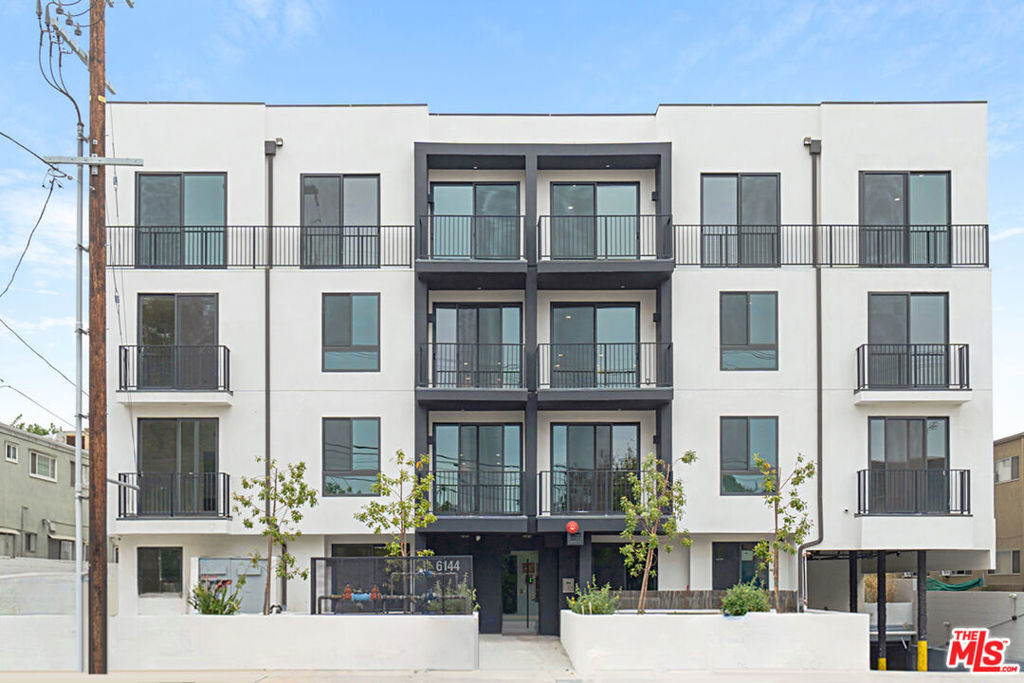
x=520, y=606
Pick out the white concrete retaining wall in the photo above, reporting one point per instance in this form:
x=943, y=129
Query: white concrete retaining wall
x=674, y=642
x=299, y=641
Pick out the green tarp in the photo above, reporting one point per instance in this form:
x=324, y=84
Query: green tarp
x=936, y=585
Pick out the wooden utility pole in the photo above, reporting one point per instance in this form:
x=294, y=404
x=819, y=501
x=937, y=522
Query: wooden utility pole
x=97, y=345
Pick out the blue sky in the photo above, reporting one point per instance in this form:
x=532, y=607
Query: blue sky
x=499, y=57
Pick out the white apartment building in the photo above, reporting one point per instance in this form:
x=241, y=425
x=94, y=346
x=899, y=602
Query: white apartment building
x=537, y=301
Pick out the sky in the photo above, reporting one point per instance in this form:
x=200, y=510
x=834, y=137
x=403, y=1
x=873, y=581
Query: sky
x=479, y=56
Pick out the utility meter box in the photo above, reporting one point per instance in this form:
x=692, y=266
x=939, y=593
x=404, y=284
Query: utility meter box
x=214, y=569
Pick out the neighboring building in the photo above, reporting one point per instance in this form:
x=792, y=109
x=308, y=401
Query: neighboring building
x=37, y=496
x=68, y=437
x=538, y=301
x=1009, y=506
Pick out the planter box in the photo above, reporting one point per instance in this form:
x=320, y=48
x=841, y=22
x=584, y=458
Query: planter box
x=835, y=641
x=248, y=641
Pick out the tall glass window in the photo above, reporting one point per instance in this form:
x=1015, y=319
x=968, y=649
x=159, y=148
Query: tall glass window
x=748, y=329
x=475, y=221
x=741, y=439
x=595, y=220
x=908, y=340
x=340, y=221
x=591, y=463
x=351, y=455
x=177, y=342
x=177, y=466
x=477, y=468
x=594, y=345
x=477, y=345
x=740, y=219
x=351, y=332
x=904, y=218
x=909, y=464
x=180, y=219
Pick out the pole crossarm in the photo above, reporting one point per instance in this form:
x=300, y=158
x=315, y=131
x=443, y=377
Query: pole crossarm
x=94, y=161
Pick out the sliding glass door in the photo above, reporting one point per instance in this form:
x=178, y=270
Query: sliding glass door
x=908, y=340
x=475, y=221
x=477, y=468
x=595, y=345
x=595, y=220
x=477, y=345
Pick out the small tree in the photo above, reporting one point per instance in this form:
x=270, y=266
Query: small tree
x=34, y=428
x=404, y=505
x=790, y=513
x=652, y=514
x=275, y=504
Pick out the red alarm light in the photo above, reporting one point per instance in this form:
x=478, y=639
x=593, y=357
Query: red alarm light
x=572, y=527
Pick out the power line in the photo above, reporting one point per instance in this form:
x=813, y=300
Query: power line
x=41, y=356
x=30, y=235
x=53, y=169
x=7, y=385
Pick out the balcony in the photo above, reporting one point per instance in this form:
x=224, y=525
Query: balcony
x=255, y=246
x=451, y=374
x=870, y=246
x=174, y=495
x=472, y=251
x=633, y=251
x=478, y=492
x=593, y=494
x=889, y=373
x=588, y=374
x=179, y=368
x=913, y=492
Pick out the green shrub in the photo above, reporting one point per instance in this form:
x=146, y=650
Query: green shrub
x=594, y=600
x=743, y=598
x=213, y=597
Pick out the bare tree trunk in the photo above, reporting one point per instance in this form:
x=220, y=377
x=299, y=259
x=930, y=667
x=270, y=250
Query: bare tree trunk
x=642, y=603
x=775, y=562
x=266, y=589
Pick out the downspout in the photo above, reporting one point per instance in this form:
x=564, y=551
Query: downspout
x=814, y=149
x=270, y=151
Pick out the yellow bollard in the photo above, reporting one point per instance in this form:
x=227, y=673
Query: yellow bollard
x=922, y=655
x=881, y=663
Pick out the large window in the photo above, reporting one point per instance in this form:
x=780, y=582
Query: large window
x=177, y=342
x=595, y=220
x=735, y=563
x=351, y=333
x=477, y=345
x=740, y=219
x=180, y=219
x=749, y=331
x=42, y=466
x=159, y=571
x=908, y=462
x=474, y=221
x=1007, y=562
x=904, y=218
x=1007, y=469
x=591, y=464
x=477, y=468
x=742, y=438
x=609, y=567
x=594, y=345
x=340, y=221
x=908, y=337
x=351, y=455
x=178, y=466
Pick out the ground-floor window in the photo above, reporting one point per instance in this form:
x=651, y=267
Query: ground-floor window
x=357, y=550
x=1007, y=562
x=609, y=566
x=61, y=549
x=735, y=563
x=159, y=571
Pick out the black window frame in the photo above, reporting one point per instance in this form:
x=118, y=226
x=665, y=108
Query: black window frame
x=739, y=193
x=593, y=425
x=595, y=184
x=141, y=230
x=885, y=419
x=181, y=197
x=352, y=472
x=504, y=425
x=177, y=436
x=761, y=574
x=627, y=580
x=324, y=347
x=740, y=260
x=722, y=471
x=158, y=552
x=722, y=348
x=341, y=198
x=474, y=183
x=909, y=295
x=906, y=192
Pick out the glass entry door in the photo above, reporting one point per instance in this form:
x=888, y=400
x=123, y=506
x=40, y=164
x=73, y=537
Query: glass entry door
x=475, y=221
x=519, y=598
x=477, y=345
x=595, y=220
x=595, y=345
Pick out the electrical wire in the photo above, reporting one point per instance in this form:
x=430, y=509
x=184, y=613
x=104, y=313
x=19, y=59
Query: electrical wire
x=41, y=356
x=28, y=242
x=8, y=385
x=53, y=169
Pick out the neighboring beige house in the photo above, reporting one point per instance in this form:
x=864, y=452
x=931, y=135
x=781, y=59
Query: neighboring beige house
x=37, y=495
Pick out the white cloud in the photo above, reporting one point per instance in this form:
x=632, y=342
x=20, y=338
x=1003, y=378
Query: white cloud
x=1006, y=234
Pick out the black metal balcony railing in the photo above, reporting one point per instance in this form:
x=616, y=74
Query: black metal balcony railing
x=174, y=368
x=754, y=246
x=574, y=491
x=604, y=365
x=471, y=238
x=478, y=492
x=587, y=238
x=913, y=492
x=471, y=366
x=913, y=366
x=175, y=494
x=246, y=246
